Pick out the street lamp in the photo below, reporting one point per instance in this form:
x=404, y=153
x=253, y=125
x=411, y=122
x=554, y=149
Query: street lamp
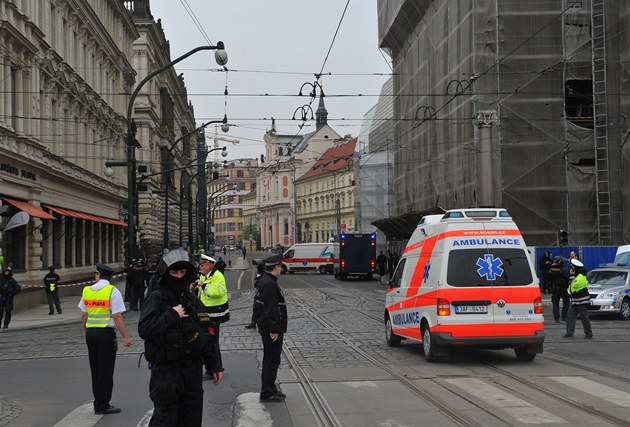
x=132, y=143
x=225, y=127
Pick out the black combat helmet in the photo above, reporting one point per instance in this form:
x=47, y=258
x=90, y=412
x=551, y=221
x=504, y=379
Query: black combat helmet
x=177, y=259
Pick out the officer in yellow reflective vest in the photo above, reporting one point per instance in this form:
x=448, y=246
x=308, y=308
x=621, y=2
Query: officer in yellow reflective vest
x=102, y=306
x=212, y=291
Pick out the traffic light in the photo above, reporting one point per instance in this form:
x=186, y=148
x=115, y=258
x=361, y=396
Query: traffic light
x=563, y=237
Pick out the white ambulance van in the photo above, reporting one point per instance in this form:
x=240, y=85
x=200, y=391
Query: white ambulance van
x=465, y=279
x=309, y=257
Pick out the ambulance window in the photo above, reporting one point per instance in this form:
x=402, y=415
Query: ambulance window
x=398, y=273
x=488, y=267
x=289, y=254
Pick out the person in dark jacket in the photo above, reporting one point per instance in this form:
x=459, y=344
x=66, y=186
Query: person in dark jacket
x=9, y=287
x=271, y=317
x=580, y=299
x=179, y=340
x=381, y=263
x=260, y=270
x=138, y=278
x=220, y=265
x=544, y=264
x=51, y=284
x=558, y=281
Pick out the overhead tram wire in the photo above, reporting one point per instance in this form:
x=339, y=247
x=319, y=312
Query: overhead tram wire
x=333, y=40
x=195, y=21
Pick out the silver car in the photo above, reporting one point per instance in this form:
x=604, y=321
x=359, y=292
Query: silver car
x=609, y=288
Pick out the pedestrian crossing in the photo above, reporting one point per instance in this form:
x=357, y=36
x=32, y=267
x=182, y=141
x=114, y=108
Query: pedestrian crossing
x=508, y=404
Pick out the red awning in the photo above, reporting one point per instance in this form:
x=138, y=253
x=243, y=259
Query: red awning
x=81, y=215
x=32, y=210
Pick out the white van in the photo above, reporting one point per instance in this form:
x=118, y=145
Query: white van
x=465, y=279
x=309, y=257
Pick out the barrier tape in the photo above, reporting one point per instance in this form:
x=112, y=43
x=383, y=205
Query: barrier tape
x=84, y=283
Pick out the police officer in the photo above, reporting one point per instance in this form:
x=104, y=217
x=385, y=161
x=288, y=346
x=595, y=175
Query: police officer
x=260, y=270
x=580, y=299
x=179, y=339
x=558, y=279
x=102, y=306
x=139, y=280
x=212, y=291
x=271, y=317
x=9, y=287
x=51, y=284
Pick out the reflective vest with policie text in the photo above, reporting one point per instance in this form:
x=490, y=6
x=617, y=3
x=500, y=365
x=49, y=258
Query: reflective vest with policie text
x=98, y=306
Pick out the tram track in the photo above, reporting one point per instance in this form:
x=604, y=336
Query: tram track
x=452, y=413
x=445, y=408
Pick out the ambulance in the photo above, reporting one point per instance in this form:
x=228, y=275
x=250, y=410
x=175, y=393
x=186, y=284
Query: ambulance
x=316, y=257
x=465, y=279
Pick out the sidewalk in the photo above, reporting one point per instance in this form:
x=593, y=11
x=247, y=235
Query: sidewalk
x=38, y=317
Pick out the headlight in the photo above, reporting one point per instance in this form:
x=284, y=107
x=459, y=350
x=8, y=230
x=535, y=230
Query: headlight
x=608, y=295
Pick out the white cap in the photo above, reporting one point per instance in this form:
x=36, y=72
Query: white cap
x=205, y=257
x=577, y=263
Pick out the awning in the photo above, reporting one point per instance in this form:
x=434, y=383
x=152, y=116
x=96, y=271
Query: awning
x=81, y=215
x=32, y=210
x=402, y=227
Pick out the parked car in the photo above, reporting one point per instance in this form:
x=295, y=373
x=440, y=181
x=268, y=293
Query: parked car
x=609, y=288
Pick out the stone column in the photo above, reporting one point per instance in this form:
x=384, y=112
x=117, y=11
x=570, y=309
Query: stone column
x=8, y=92
x=18, y=121
x=62, y=241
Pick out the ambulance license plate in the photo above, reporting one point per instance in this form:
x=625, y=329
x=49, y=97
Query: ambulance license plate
x=471, y=309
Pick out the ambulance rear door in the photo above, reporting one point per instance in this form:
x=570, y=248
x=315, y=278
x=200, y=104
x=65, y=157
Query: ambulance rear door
x=508, y=270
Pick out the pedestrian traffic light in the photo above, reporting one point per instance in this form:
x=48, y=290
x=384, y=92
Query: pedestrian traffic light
x=563, y=237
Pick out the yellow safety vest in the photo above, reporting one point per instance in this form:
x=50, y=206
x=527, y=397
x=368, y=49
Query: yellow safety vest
x=98, y=306
x=214, y=293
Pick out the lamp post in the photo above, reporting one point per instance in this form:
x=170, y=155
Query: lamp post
x=132, y=143
x=109, y=172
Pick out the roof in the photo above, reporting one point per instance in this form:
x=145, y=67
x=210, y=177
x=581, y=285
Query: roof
x=402, y=227
x=333, y=159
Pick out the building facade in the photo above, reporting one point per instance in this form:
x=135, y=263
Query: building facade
x=225, y=203
x=326, y=195
x=518, y=106
x=65, y=72
x=287, y=158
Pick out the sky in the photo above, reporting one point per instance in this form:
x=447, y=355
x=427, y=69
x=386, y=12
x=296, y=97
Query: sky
x=274, y=47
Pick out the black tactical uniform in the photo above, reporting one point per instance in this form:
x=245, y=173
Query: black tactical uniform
x=9, y=287
x=51, y=283
x=177, y=347
x=271, y=317
x=139, y=280
x=558, y=280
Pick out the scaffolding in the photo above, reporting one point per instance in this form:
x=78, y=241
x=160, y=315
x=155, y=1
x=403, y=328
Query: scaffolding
x=550, y=72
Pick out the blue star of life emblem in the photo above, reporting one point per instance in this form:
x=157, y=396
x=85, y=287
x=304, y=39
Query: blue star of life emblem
x=490, y=267
x=427, y=267
x=304, y=262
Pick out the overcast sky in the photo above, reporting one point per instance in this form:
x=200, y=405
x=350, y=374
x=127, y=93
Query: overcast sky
x=274, y=46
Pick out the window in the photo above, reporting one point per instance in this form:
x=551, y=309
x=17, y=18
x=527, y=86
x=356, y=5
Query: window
x=286, y=227
x=488, y=267
x=397, y=278
x=578, y=101
x=240, y=173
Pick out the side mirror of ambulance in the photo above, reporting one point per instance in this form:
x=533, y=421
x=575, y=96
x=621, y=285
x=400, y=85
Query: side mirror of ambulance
x=385, y=281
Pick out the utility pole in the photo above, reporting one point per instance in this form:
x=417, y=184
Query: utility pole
x=486, y=181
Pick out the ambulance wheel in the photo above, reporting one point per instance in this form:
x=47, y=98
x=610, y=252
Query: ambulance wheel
x=523, y=355
x=322, y=269
x=624, y=311
x=392, y=339
x=428, y=348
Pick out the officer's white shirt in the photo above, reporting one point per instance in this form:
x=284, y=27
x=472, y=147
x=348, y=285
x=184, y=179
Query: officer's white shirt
x=116, y=302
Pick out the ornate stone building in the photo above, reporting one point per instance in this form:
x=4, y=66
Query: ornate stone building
x=64, y=72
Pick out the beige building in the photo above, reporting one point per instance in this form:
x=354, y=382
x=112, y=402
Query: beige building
x=65, y=70
x=287, y=158
x=251, y=232
x=326, y=194
x=225, y=201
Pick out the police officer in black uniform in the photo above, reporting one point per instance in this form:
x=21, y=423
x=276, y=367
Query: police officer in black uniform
x=51, y=283
x=271, y=317
x=179, y=340
x=558, y=279
x=260, y=270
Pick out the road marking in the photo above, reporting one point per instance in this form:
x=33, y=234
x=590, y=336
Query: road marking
x=250, y=412
x=146, y=419
x=519, y=409
x=240, y=277
x=81, y=417
x=601, y=391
